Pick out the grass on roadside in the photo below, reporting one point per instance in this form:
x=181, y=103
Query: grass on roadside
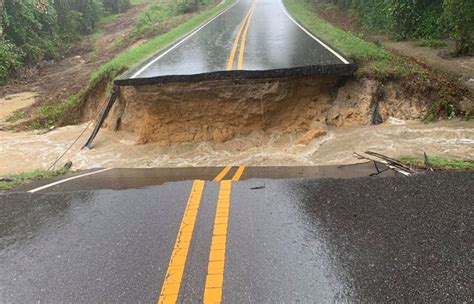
x=106, y=19
x=431, y=43
x=136, y=2
x=439, y=163
x=136, y=55
x=16, y=116
x=20, y=179
x=150, y=19
x=50, y=115
x=53, y=115
x=372, y=58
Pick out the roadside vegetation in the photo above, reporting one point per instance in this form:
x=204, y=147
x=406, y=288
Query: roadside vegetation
x=34, y=31
x=428, y=20
x=159, y=17
x=133, y=56
x=157, y=26
x=372, y=58
x=63, y=112
x=438, y=163
x=376, y=62
x=50, y=115
x=11, y=181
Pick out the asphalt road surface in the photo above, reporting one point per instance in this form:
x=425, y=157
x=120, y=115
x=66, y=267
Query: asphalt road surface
x=312, y=240
x=122, y=179
x=251, y=35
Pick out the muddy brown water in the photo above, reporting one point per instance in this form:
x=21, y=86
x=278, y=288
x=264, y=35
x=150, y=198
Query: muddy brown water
x=11, y=103
x=26, y=151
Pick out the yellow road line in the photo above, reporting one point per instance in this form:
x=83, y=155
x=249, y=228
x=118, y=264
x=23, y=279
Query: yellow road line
x=215, y=269
x=240, y=63
x=230, y=63
x=222, y=174
x=238, y=174
x=170, y=290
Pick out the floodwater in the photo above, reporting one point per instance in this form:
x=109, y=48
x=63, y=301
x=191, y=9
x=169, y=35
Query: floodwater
x=11, y=103
x=26, y=151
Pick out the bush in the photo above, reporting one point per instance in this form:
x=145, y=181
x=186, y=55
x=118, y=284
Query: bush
x=156, y=13
x=187, y=6
x=459, y=20
x=9, y=59
x=418, y=19
x=31, y=31
x=116, y=6
x=38, y=31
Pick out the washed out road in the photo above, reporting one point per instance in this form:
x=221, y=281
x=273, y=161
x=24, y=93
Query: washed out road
x=238, y=234
x=251, y=35
x=229, y=238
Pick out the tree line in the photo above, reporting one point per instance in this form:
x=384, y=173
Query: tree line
x=36, y=30
x=418, y=19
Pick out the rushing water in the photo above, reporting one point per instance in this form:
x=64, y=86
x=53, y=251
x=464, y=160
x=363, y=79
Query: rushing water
x=28, y=150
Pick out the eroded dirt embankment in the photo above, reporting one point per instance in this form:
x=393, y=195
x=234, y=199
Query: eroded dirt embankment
x=218, y=111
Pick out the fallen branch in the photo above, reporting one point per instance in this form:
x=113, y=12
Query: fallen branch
x=390, y=160
x=427, y=163
x=387, y=161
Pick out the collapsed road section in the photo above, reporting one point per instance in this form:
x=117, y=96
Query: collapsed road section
x=245, y=68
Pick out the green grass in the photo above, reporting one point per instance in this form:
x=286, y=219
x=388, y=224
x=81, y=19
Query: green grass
x=372, y=58
x=155, y=13
x=149, y=21
x=136, y=2
x=27, y=177
x=439, y=163
x=53, y=115
x=49, y=115
x=108, y=18
x=432, y=43
x=16, y=116
x=136, y=55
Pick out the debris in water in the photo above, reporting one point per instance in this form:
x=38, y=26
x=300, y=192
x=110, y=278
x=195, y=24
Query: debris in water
x=388, y=161
x=427, y=163
x=68, y=165
x=7, y=179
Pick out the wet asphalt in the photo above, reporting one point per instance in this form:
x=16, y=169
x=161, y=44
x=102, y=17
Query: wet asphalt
x=129, y=178
x=310, y=240
x=273, y=41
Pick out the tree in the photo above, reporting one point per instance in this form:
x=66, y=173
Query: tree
x=415, y=19
x=459, y=16
x=2, y=4
x=116, y=6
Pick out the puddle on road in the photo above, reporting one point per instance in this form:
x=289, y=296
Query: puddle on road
x=27, y=150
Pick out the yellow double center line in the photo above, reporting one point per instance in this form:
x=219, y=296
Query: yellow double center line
x=242, y=33
x=215, y=271
x=225, y=171
x=174, y=275
x=215, y=268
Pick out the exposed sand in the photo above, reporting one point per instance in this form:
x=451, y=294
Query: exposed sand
x=11, y=103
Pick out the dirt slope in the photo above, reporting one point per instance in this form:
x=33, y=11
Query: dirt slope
x=55, y=81
x=220, y=110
